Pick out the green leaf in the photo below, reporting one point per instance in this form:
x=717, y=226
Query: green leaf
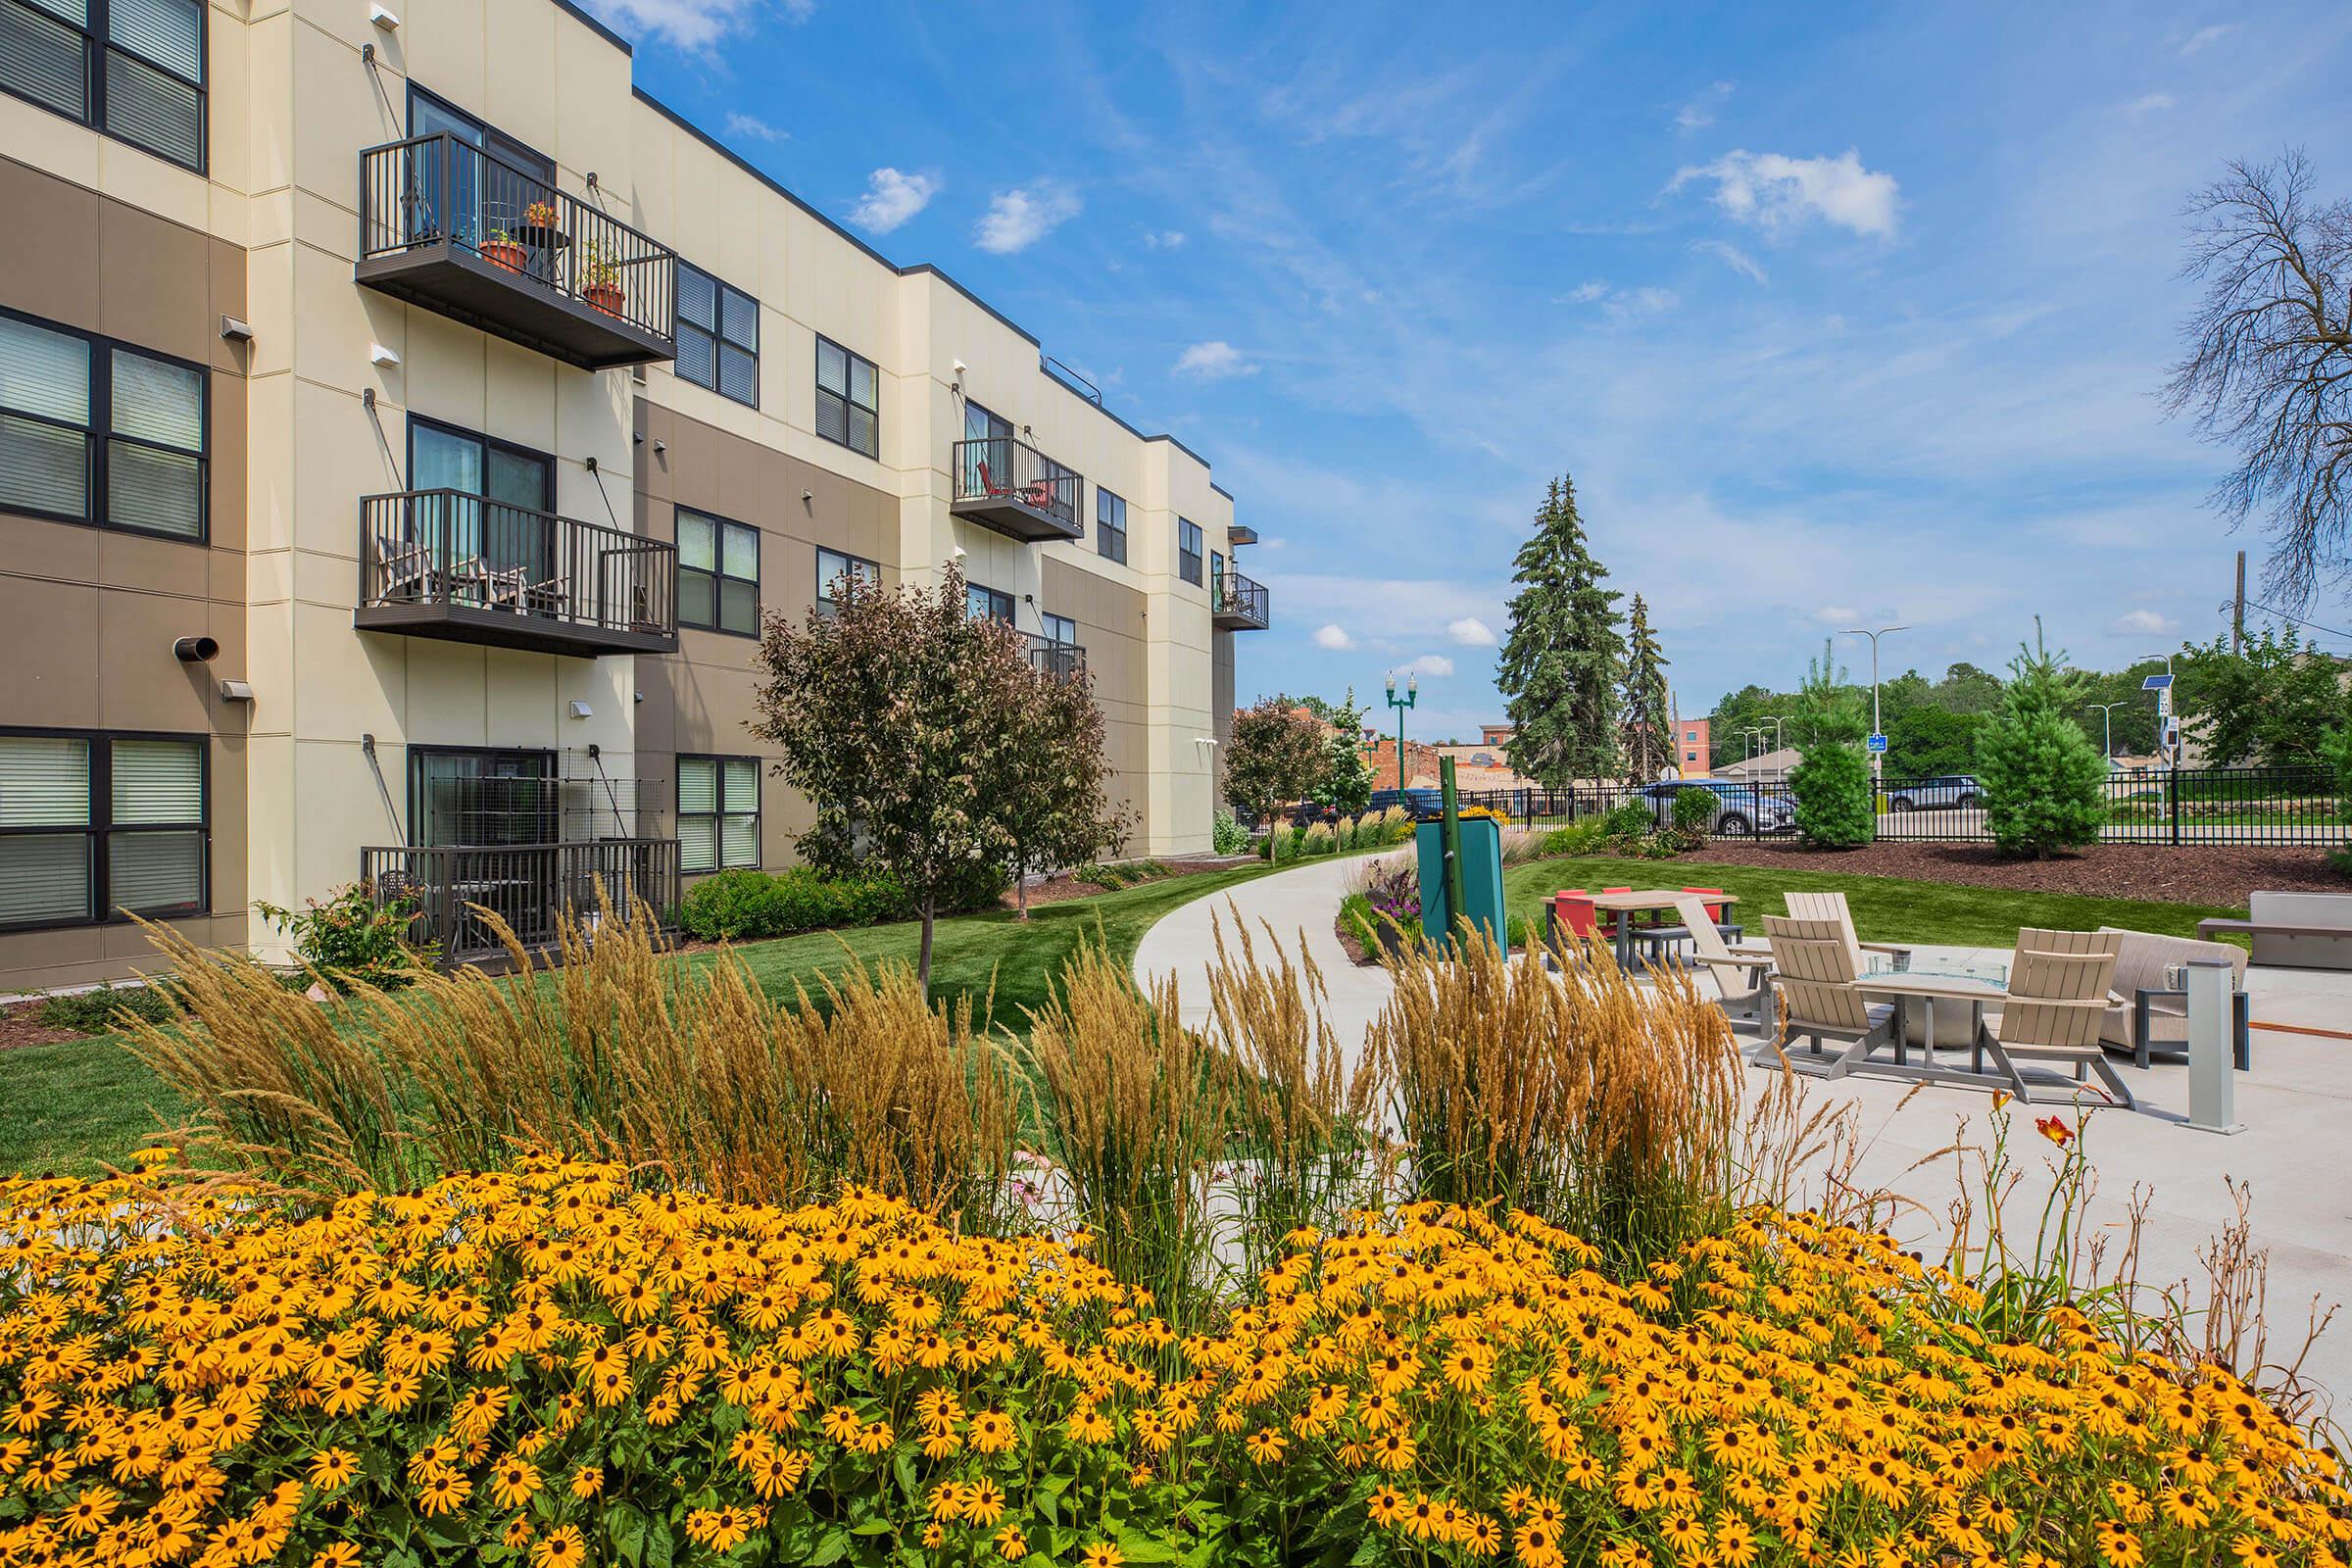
x=873, y=1527
x=832, y=1549
x=902, y=1464
x=624, y=1526
x=657, y=1545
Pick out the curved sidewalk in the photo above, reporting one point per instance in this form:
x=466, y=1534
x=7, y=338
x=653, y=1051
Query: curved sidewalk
x=1299, y=908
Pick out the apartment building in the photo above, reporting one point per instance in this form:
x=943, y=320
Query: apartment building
x=404, y=424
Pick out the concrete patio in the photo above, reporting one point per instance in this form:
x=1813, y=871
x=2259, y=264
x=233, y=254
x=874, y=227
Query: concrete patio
x=2295, y=1105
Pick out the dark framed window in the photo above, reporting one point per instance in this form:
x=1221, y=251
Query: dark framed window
x=1111, y=524
x=988, y=604
x=1188, y=551
x=1059, y=628
x=718, y=814
x=832, y=565
x=94, y=823
x=849, y=399
x=718, y=574
x=132, y=69
x=719, y=336
x=96, y=431
x=482, y=795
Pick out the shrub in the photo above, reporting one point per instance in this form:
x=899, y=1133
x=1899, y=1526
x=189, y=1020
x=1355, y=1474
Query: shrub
x=1279, y=843
x=1577, y=837
x=1629, y=820
x=752, y=906
x=1318, y=839
x=1833, y=797
x=1122, y=874
x=353, y=938
x=107, y=1008
x=1415, y=1386
x=1694, y=812
x=2045, y=783
x=1227, y=836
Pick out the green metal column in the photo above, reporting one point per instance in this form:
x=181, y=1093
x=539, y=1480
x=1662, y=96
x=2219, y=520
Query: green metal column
x=1457, y=910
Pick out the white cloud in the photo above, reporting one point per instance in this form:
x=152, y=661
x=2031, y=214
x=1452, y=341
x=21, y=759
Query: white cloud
x=1470, y=632
x=2141, y=623
x=1587, y=293
x=1213, y=361
x=691, y=24
x=891, y=198
x=1837, y=615
x=1733, y=257
x=1699, y=113
x=2148, y=104
x=1334, y=638
x=1774, y=192
x=1019, y=218
x=2198, y=39
x=1436, y=665
x=752, y=129
x=1163, y=239
x=1621, y=304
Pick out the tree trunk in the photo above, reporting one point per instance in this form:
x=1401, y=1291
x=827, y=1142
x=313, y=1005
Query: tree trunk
x=1020, y=880
x=922, y=964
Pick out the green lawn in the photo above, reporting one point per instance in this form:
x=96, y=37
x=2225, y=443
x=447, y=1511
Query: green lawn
x=72, y=1104
x=1885, y=908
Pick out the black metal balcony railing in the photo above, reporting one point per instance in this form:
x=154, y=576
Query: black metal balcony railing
x=1236, y=603
x=446, y=563
x=1050, y=657
x=461, y=231
x=528, y=886
x=1017, y=490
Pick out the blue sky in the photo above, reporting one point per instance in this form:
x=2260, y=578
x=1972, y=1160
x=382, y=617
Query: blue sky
x=1837, y=314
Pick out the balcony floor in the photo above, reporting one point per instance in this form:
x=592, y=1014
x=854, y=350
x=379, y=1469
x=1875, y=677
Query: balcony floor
x=454, y=281
x=1236, y=620
x=1015, y=519
x=504, y=628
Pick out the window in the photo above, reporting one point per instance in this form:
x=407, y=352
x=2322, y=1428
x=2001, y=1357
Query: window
x=1689, y=734
x=718, y=813
x=987, y=604
x=718, y=574
x=91, y=825
x=502, y=494
x=719, y=336
x=467, y=795
x=849, y=399
x=1111, y=524
x=1188, y=551
x=832, y=565
x=95, y=431
x=1060, y=628
x=1690, y=757
x=132, y=69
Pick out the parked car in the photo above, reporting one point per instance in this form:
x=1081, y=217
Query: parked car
x=1949, y=790
x=1740, y=809
x=1425, y=805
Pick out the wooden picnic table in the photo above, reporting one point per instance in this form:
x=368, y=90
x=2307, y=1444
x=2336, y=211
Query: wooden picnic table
x=1631, y=904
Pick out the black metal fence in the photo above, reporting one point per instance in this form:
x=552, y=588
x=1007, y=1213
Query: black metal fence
x=528, y=886
x=2263, y=806
x=1001, y=468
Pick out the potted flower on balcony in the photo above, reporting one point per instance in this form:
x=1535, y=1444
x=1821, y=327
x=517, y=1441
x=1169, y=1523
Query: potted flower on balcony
x=539, y=214
x=604, y=289
x=502, y=249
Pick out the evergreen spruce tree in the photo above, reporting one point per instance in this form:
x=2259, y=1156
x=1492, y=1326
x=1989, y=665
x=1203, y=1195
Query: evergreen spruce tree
x=1648, y=717
x=2043, y=780
x=1559, y=664
x=1835, y=805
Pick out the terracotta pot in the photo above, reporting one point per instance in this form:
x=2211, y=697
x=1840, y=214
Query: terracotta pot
x=606, y=297
x=507, y=254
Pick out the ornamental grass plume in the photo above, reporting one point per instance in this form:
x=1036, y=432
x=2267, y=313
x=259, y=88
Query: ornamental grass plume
x=622, y=1051
x=1136, y=1109
x=1576, y=1095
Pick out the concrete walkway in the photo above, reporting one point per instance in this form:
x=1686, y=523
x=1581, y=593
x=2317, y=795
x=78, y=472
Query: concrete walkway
x=2296, y=1106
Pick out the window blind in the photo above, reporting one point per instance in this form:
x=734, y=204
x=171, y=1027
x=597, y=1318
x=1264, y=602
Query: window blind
x=44, y=372
x=169, y=33
x=155, y=870
x=159, y=402
x=44, y=878
x=150, y=110
x=42, y=58
x=158, y=782
x=44, y=781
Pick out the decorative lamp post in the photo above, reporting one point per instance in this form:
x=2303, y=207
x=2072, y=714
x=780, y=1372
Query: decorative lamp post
x=1413, y=695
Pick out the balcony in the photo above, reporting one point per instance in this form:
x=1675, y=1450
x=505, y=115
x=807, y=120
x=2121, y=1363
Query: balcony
x=461, y=231
x=1236, y=602
x=528, y=886
x=1017, y=490
x=1060, y=660
x=465, y=569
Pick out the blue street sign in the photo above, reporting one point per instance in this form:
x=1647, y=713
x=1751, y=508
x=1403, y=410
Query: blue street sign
x=1878, y=742
x=2156, y=683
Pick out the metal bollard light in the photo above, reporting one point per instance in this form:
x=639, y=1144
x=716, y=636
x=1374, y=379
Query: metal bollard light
x=2212, y=1070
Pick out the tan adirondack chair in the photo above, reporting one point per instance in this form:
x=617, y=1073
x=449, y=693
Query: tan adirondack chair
x=1742, y=981
x=404, y=571
x=1814, y=970
x=2056, y=1004
x=1832, y=907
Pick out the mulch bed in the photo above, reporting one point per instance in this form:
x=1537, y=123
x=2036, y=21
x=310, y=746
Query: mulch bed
x=2191, y=873
x=21, y=1025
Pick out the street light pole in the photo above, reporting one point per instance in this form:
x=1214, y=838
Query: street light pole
x=2164, y=704
x=2107, y=726
x=1780, y=770
x=1413, y=695
x=1877, y=759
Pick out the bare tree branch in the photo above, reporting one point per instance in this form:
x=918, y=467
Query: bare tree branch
x=2267, y=364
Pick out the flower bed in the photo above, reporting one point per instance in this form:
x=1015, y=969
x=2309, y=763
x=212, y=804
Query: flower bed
x=554, y=1364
